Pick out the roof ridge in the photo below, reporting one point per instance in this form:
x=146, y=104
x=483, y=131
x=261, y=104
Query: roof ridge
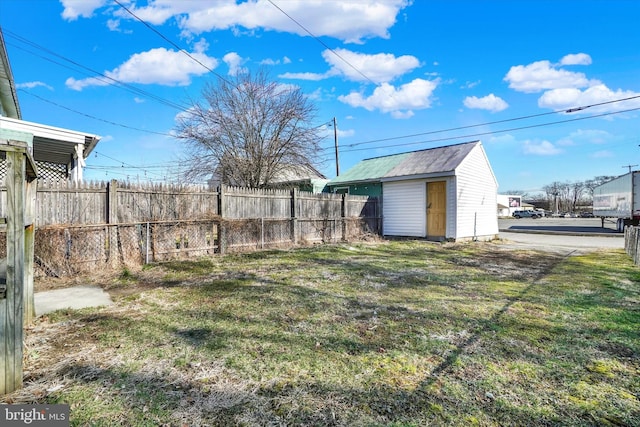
x=424, y=149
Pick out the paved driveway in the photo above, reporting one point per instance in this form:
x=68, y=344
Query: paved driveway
x=564, y=235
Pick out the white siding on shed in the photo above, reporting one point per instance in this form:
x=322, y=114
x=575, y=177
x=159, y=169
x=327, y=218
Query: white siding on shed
x=452, y=208
x=404, y=208
x=476, y=197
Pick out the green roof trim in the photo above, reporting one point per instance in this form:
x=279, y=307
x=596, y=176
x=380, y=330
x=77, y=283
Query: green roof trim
x=370, y=169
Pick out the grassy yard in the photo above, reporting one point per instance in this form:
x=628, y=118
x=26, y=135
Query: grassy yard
x=381, y=334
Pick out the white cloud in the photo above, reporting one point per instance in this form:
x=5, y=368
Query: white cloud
x=201, y=46
x=380, y=68
x=566, y=98
x=31, y=85
x=304, y=76
x=350, y=21
x=156, y=66
x=156, y=13
x=567, y=90
x=502, y=139
x=400, y=102
x=602, y=154
x=470, y=85
x=270, y=61
x=359, y=67
x=346, y=133
x=234, y=61
x=113, y=24
x=73, y=9
x=576, y=59
x=541, y=148
x=316, y=95
x=590, y=136
x=490, y=102
x=542, y=75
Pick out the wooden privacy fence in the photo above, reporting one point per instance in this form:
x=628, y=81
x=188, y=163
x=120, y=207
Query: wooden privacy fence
x=632, y=243
x=115, y=224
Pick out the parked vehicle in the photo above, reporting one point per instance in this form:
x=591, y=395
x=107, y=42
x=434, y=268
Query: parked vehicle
x=525, y=214
x=614, y=199
x=586, y=215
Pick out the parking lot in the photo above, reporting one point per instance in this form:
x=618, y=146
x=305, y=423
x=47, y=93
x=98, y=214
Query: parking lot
x=559, y=225
x=565, y=235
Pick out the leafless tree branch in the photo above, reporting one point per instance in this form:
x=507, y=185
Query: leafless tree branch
x=249, y=132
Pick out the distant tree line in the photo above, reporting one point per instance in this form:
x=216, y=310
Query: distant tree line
x=565, y=196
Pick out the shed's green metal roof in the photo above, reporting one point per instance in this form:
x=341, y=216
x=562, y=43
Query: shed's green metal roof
x=438, y=160
x=370, y=169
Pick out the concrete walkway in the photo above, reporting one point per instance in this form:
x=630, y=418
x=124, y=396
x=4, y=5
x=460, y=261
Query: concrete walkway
x=75, y=297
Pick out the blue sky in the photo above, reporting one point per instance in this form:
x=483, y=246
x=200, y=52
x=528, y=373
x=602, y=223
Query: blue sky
x=398, y=75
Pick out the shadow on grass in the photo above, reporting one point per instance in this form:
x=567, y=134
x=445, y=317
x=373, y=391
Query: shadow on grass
x=272, y=318
x=487, y=325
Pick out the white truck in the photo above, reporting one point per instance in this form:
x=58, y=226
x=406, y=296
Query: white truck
x=619, y=199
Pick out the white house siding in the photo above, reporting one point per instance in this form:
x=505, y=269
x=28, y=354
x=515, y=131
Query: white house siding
x=476, y=198
x=404, y=208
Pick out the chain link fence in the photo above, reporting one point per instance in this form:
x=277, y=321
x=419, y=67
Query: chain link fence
x=62, y=251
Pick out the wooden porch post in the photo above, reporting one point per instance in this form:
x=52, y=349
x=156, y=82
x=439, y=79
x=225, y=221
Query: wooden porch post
x=16, y=298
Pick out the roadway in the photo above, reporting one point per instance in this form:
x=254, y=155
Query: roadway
x=560, y=234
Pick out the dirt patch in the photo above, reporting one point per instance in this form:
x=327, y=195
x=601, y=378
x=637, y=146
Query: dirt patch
x=509, y=264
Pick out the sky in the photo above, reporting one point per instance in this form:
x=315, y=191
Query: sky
x=551, y=88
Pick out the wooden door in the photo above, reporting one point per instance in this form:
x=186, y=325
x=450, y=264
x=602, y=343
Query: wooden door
x=436, y=208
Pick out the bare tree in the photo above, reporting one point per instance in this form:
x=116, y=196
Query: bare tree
x=576, y=191
x=553, y=191
x=249, y=132
x=598, y=180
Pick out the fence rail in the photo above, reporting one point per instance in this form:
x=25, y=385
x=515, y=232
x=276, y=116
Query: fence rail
x=80, y=229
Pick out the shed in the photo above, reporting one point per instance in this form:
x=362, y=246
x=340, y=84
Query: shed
x=440, y=193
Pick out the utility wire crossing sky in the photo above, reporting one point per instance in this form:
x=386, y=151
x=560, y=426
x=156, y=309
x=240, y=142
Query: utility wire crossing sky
x=550, y=98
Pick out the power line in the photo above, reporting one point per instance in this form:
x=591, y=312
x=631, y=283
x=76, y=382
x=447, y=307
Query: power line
x=469, y=136
x=102, y=77
x=123, y=166
x=322, y=43
x=172, y=43
x=531, y=116
x=93, y=117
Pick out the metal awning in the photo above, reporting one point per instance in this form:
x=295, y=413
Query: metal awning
x=51, y=144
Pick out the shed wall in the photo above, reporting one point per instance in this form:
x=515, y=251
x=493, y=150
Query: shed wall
x=476, y=198
x=404, y=208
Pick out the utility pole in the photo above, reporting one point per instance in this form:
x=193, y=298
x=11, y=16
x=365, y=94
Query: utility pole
x=629, y=166
x=335, y=137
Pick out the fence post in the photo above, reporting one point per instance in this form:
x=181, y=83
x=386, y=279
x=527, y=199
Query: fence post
x=222, y=232
x=112, y=220
x=379, y=216
x=16, y=294
x=29, y=249
x=294, y=216
x=636, y=244
x=146, y=246
x=343, y=214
